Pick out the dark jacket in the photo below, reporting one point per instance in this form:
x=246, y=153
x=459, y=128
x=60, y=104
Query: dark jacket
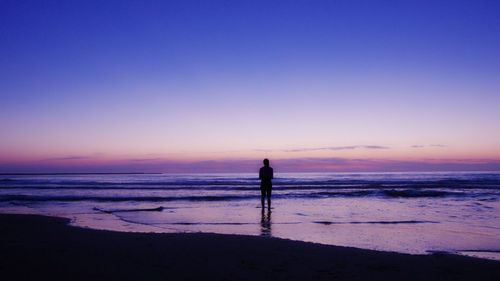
x=265, y=176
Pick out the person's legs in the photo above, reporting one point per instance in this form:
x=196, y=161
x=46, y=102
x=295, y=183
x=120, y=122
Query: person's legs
x=262, y=196
x=268, y=194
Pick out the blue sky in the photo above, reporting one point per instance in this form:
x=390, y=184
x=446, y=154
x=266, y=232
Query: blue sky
x=101, y=83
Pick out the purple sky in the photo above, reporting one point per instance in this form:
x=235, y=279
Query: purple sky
x=204, y=86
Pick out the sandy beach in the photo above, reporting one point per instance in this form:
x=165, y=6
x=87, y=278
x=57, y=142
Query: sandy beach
x=47, y=248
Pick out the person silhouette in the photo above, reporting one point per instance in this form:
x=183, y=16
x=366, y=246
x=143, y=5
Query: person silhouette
x=266, y=184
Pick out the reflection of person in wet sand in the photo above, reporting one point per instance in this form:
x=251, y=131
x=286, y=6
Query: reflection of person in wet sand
x=266, y=185
x=265, y=223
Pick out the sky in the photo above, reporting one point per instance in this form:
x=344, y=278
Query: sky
x=216, y=86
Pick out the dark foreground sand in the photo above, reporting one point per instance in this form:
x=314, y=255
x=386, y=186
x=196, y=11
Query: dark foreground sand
x=42, y=248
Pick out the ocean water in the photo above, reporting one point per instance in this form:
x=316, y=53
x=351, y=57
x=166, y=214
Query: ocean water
x=417, y=213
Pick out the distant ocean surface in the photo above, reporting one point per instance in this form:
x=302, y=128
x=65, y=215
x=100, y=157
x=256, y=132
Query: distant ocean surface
x=414, y=213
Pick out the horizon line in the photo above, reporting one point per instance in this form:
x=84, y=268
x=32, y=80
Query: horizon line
x=288, y=172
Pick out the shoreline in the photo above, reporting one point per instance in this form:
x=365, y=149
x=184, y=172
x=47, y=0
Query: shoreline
x=37, y=247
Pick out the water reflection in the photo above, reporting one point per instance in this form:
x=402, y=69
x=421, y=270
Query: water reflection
x=265, y=223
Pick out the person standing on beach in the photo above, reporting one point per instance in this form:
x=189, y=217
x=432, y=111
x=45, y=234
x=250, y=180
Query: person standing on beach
x=266, y=184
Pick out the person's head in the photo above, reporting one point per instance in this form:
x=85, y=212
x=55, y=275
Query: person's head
x=266, y=162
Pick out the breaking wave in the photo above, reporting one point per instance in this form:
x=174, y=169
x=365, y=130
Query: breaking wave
x=158, y=187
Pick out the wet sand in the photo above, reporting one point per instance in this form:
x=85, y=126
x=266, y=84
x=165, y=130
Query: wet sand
x=46, y=248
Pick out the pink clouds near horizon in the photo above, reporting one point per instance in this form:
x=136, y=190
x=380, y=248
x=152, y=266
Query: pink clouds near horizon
x=340, y=158
x=76, y=164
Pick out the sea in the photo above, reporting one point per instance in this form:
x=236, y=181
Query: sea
x=414, y=213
